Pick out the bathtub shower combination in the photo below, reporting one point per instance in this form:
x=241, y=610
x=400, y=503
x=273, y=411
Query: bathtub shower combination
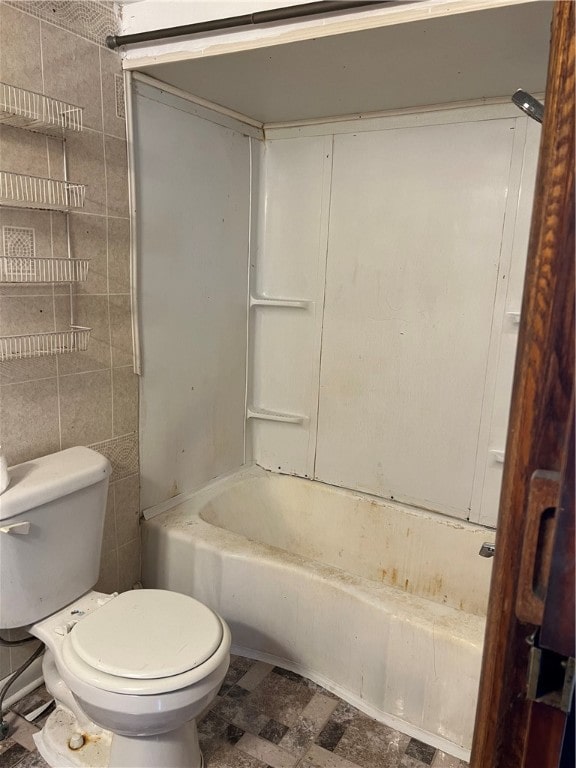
x=330, y=277
x=378, y=602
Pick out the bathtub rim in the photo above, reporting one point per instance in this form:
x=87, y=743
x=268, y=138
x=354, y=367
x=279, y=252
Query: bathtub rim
x=191, y=507
x=207, y=491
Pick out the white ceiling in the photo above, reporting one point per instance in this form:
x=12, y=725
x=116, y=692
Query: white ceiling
x=466, y=56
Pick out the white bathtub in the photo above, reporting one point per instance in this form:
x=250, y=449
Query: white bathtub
x=380, y=603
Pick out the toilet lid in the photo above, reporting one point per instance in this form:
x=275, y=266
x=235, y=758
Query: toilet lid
x=146, y=634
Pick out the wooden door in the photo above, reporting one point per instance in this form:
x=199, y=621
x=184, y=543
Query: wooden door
x=531, y=609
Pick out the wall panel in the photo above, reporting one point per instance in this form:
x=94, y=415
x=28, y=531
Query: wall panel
x=194, y=195
x=415, y=231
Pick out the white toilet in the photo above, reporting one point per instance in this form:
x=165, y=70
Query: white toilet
x=129, y=672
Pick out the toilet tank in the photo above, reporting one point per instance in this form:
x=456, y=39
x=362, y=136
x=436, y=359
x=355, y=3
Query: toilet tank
x=51, y=526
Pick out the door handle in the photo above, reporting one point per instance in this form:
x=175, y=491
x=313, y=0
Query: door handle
x=544, y=490
x=19, y=528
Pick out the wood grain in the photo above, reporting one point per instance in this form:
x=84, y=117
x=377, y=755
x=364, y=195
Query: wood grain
x=539, y=417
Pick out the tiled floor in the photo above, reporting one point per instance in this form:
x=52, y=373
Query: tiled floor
x=266, y=717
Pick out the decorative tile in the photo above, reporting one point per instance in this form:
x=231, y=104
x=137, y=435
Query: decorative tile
x=89, y=18
x=119, y=96
x=122, y=453
x=112, y=93
x=13, y=220
x=19, y=243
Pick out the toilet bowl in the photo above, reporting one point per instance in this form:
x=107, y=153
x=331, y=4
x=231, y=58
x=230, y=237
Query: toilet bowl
x=140, y=667
x=130, y=672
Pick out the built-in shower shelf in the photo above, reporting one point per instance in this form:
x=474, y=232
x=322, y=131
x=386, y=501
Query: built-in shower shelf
x=288, y=418
x=75, y=339
x=21, y=108
x=32, y=269
x=20, y=191
x=513, y=317
x=264, y=301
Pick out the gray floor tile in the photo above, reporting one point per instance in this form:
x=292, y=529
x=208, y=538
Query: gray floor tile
x=267, y=717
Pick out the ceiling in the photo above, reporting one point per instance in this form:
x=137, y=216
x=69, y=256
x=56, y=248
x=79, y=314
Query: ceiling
x=466, y=56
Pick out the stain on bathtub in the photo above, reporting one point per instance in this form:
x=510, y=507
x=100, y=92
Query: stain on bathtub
x=435, y=586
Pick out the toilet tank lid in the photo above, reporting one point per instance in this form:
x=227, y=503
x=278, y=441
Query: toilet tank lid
x=42, y=480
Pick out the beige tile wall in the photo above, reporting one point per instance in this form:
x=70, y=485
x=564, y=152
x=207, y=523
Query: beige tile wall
x=84, y=398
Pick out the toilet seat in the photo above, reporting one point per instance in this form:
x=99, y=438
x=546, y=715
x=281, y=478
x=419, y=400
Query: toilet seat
x=145, y=642
x=146, y=634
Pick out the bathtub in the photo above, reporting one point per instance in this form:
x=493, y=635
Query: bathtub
x=378, y=602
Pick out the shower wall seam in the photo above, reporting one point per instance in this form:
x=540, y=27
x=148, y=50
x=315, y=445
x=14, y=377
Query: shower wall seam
x=327, y=244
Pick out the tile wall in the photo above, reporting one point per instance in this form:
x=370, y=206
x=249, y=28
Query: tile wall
x=84, y=398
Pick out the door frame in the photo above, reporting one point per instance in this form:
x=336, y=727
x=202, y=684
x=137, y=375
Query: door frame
x=539, y=428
